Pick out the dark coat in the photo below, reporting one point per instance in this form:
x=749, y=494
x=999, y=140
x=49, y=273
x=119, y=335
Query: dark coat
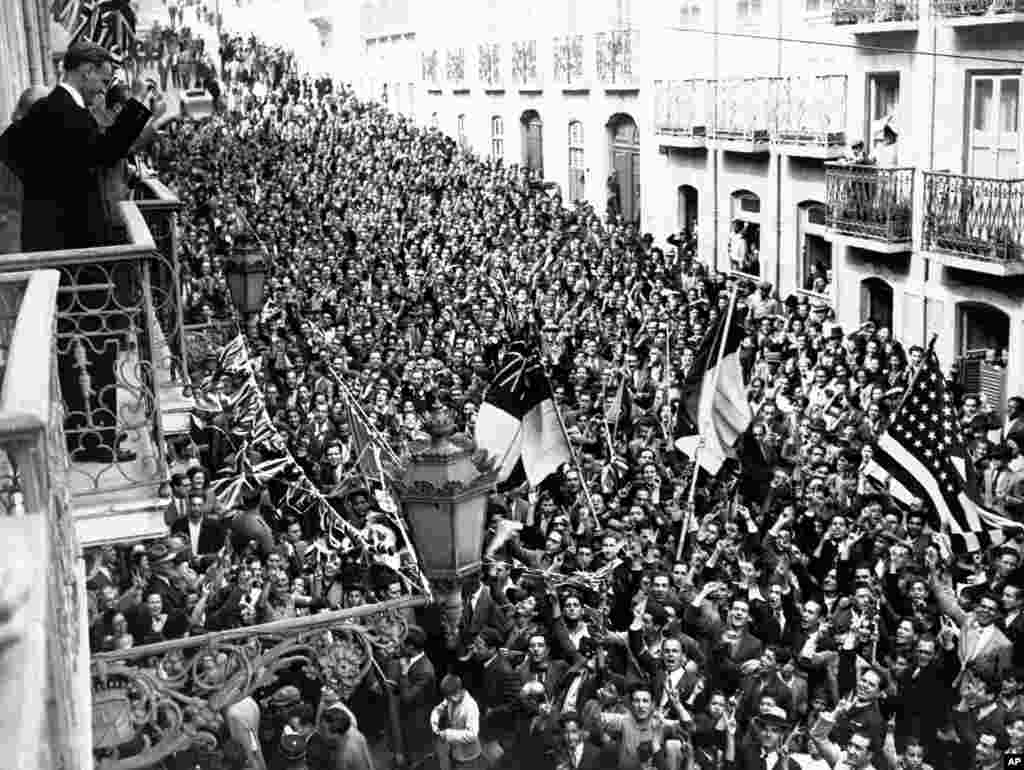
x=417, y=696
x=499, y=699
x=211, y=536
x=58, y=151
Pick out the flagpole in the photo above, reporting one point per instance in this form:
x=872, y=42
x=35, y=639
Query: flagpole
x=690, y=501
x=726, y=328
x=572, y=455
x=913, y=381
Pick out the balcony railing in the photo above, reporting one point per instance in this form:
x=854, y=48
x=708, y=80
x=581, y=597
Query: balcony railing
x=682, y=107
x=110, y=345
x=870, y=202
x=489, y=65
x=810, y=111
x=954, y=9
x=44, y=694
x=874, y=11
x=569, y=61
x=743, y=110
x=525, y=72
x=614, y=57
x=975, y=218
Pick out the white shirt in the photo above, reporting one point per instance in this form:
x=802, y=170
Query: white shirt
x=573, y=693
x=411, y=662
x=671, y=684
x=75, y=94
x=577, y=755
x=984, y=634
x=193, y=535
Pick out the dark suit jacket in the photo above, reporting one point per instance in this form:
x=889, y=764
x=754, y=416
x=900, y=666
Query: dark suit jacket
x=417, y=696
x=590, y=759
x=748, y=757
x=554, y=671
x=499, y=698
x=487, y=614
x=58, y=151
x=211, y=536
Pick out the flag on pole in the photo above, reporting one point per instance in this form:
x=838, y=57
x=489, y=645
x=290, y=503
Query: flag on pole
x=518, y=421
x=922, y=451
x=714, y=400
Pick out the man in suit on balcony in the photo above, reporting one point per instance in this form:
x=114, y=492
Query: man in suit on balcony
x=58, y=151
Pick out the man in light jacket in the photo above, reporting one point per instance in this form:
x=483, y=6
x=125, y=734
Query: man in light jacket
x=456, y=723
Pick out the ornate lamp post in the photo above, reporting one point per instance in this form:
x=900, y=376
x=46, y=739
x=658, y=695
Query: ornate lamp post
x=246, y=274
x=444, y=494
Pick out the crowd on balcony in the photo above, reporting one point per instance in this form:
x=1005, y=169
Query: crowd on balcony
x=815, y=619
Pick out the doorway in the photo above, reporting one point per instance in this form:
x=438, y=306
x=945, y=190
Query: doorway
x=983, y=338
x=876, y=302
x=533, y=142
x=624, y=179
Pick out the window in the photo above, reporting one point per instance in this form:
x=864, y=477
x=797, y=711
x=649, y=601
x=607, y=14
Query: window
x=995, y=126
x=817, y=6
x=689, y=14
x=497, y=138
x=461, y=131
x=748, y=11
x=744, y=243
x=577, y=171
x=815, y=257
x=884, y=102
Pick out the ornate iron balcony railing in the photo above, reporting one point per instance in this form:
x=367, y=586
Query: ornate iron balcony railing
x=614, y=57
x=744, y=109
x=682, y=107
x=810, y=111
x=525, y=72
x=568, y=60
x=959, y=8
x=974, y=217
x=870, y=202
x=111, y=302
x=874, y=11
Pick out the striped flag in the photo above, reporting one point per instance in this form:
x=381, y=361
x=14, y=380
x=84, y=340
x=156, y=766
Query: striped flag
x=715, y=401
x=923, y=453
x=518, y=421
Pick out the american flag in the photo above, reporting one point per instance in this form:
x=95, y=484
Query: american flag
x=923, y=452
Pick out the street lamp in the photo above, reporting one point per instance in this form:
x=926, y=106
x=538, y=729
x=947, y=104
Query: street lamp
x=444, y=495
x=246, y=274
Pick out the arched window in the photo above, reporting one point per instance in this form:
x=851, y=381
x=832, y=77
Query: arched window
x=577, y=171
x=497, y=138
x=687, y=214
x=744, y=243
x=815, y=255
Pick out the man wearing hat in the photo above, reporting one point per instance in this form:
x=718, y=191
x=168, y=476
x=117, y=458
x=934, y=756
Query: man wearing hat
x=768, y=752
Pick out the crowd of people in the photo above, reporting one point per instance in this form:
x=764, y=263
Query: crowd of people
x=812, y=619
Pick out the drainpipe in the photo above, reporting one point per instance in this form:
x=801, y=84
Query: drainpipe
x=931, y=166
x=778, y=168
x=715, y=157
